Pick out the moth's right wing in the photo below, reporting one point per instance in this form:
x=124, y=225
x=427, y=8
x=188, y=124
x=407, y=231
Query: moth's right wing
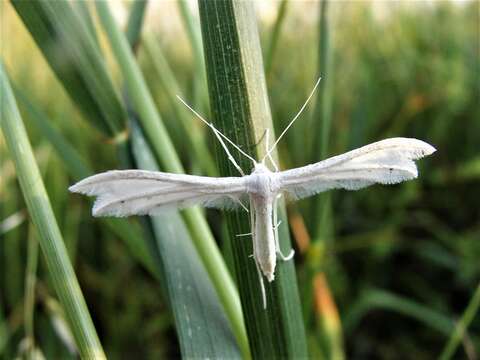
x=388, y=161
x=138, y=192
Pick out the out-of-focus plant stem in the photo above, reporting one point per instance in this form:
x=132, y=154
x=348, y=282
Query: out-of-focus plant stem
x=328, y=320
x=275, y=35
x=53, y=247
x=30, y=280
x=461, y=326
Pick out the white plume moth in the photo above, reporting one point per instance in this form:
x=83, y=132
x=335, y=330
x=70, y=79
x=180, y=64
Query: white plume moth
x=138, y=192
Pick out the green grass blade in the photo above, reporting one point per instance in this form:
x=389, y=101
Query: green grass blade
x=461, y=327
x=240, y=110
x=195, y=38
x=197, y=312
x=82, y=7
x=30, y=281
x=275, y=35
x=130, y=233
x=4, y=331
x=135, y=22
x=51, y=242
x=168, y=159
x=322, y=219
x=139, y=94
x=75, y=165
x=196, y=138
x=322, y=116
x=381, y=299
x=71, y=51
x=192, y=298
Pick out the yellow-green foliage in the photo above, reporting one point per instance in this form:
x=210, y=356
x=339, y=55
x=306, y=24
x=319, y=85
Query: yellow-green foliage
x=391, y=270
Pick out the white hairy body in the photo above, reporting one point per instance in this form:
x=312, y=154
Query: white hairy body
x=137, y=192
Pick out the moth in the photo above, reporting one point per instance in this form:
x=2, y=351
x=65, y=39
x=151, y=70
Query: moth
x=137, y=192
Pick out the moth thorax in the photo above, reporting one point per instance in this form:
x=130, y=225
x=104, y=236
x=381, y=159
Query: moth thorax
x=262, y=184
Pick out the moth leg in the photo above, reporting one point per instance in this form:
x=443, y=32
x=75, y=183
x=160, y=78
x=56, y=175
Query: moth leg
x=277, y=241
x=245, y=234
x=262, y=284
x=239, y=203
x=277, y=224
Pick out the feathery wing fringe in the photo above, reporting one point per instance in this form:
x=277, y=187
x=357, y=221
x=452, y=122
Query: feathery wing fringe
x=138, y=192
x=388, y=161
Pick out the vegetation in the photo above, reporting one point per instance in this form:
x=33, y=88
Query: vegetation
x=387, y=271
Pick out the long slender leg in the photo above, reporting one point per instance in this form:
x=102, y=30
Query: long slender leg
x=262, y=285
x=239, y=202
x=244, y=234
x=277, y=240
x=230, y=157
x=252, y=224
x=244, y=208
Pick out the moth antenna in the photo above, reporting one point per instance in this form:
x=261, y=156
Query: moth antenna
x=294, y=119
x=219, y=136
x=268, y=154
x=267, y=136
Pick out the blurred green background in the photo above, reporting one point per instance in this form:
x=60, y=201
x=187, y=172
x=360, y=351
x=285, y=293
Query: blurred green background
x=398, y=265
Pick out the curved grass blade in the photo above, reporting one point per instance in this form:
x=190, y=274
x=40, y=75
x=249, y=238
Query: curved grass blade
x=30, y=281
x=71, y=51
x=82, y=7
x=275, y=35
x=329, y=327
x=129, y=232
x=461, y=327
x=203, y=330
x=322, y=117
x=51, y=242
x=241, y=111
x=195, y=38
x=381, y=299
x=196, y=309
x=196, y=138
x=135, y=22
x=4, y=332
x=75, y=165
x=167, y=157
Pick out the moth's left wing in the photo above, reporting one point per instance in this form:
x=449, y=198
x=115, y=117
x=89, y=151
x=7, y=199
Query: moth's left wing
x=388, y=161
x=138, y=192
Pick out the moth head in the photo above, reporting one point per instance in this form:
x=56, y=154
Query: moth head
x=260, y=168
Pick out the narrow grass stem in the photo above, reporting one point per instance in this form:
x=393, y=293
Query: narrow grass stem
x=30, y=281
x=53, y=247
x=461, y=326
